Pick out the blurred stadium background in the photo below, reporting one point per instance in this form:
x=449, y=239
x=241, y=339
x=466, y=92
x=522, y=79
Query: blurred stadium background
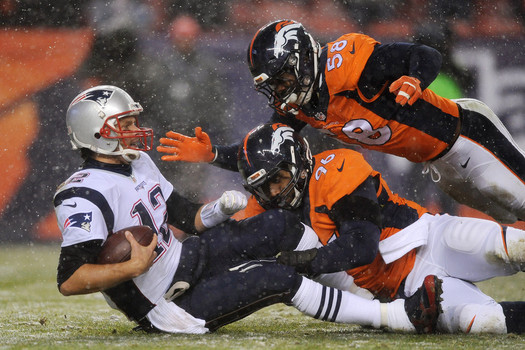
x=184, y=61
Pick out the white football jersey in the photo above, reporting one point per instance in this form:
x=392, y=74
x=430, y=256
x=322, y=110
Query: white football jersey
x=96, y=201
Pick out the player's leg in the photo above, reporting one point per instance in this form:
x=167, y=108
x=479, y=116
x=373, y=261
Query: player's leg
x=485, y=169
x=244, y=289
x=467, y=309
x=263, y=236
x=467, y=248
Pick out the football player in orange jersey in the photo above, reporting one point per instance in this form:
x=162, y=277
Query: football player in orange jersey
x=375, y=95
x=387, y=243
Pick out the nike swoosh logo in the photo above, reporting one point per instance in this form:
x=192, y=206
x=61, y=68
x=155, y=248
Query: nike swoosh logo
x=465, y=164
x=74, y=205
x=342, y=165
x=353, y=48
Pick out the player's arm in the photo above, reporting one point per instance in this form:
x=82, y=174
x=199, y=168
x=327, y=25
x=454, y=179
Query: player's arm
x=195, y=217
x=358, y=220
x=410, y=68
x=199, y=149
x=79, y=274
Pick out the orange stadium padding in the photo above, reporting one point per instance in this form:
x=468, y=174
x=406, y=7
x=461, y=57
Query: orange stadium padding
x=19, y=128
x=31, y=59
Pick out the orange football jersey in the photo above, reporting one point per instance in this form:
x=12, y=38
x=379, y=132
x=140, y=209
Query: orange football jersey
x=419, y=132
x=338, y=173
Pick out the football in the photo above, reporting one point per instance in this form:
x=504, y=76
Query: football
x=117, y=248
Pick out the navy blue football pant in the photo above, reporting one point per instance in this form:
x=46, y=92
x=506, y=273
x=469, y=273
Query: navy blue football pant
x=238, y=273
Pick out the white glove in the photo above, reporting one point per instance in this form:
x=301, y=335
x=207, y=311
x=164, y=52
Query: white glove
x=221, y=209
x=231, y=202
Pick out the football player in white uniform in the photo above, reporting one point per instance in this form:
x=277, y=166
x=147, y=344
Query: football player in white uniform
x=195, y=283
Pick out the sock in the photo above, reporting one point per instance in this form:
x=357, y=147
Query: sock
x=330, y=304
x=394, y=316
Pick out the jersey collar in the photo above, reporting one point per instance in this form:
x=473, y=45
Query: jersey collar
x=123, y=169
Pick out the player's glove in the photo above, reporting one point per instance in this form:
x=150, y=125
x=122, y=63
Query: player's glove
x=179, y=147
x=407, y=89
x=300, y=259
x=221, y=209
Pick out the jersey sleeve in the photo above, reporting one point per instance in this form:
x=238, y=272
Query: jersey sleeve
x=390, y=61
x=80, y=221
x=345, y=61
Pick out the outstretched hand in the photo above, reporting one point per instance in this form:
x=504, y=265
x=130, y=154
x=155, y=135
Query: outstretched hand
x=179, y=147
x=407, y=89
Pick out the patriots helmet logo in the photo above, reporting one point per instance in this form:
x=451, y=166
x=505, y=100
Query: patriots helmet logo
x=99, y=96
x=286, y=32
x=80, y=220
x=279, y=136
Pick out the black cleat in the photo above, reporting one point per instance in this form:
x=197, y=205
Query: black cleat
x=424, y=307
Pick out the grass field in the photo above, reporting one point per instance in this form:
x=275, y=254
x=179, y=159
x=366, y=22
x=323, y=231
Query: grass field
x=34, y=315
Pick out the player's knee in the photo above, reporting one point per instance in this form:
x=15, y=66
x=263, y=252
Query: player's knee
x=476, y=318
x=470, y=235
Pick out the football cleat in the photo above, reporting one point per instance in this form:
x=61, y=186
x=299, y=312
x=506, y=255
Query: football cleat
x=424, y=307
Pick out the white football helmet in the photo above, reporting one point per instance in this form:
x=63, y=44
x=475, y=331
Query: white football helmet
x=92, y=121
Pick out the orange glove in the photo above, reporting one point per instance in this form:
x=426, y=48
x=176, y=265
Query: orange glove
x=188, y=149
x=407, y=89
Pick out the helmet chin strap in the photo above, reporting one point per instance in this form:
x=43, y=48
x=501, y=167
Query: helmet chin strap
x=130, y=155
x=127, y=154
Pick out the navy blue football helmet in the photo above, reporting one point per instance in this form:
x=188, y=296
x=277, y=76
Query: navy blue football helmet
x=265, y=151
x=283, y=53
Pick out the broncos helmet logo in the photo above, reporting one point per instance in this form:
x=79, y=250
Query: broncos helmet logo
x=285, y=32
x=99, y=96
x=279, y=136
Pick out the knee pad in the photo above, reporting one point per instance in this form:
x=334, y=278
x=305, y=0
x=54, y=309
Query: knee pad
x=469, y=235
x=476, y=318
